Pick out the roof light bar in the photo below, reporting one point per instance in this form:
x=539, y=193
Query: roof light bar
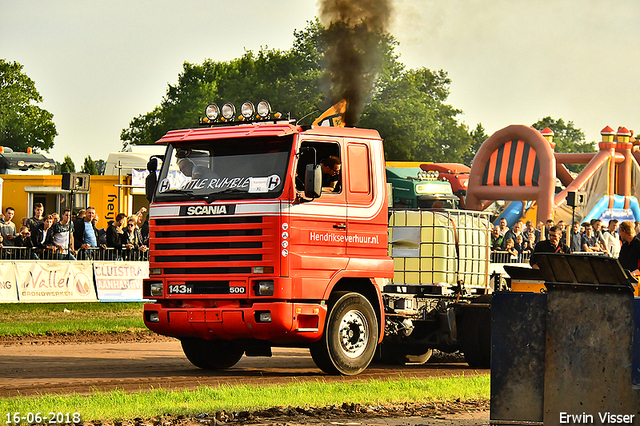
x=263, y=109
x=212, y=112
x=247, y=110
x=228, y=111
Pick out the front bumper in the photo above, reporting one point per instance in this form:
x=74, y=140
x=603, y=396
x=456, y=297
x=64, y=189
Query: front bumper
x=291, y=323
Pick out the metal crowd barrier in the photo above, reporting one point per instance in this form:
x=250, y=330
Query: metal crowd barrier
x=109, y=254
x=506, y=257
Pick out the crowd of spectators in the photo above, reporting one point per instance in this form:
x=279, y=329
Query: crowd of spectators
x=63, y=237
x=516, y=245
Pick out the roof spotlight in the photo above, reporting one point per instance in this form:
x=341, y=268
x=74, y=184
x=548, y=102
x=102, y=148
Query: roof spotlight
x=264, y=109
x=247, y=109
x=228, y=111
x=212, y=112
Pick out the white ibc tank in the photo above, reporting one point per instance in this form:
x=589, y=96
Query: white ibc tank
x=439, y=247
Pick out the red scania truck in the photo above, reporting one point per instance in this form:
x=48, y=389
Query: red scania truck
x=248, y=252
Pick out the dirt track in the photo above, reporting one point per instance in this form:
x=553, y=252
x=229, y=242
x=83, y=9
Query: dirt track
x=34, y=366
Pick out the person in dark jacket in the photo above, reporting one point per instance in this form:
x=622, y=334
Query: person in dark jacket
x=629, y=256
x=36, y=220
x=115, y=234
x=132, y=239
x=552, y=245
x=23, y=239
x=43, y=239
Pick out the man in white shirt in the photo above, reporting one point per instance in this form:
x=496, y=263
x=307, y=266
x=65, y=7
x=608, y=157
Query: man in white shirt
x=63, y=236
x=612, y=239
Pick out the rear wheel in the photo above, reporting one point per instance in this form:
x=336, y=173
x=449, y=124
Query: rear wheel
x=475, y=334
x=212, y=354
x=350, y=337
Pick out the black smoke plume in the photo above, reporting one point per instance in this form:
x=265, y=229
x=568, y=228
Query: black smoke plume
x=354, y=42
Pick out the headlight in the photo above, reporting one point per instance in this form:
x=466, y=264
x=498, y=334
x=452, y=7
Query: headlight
x=228, y=111
x=264, y=109
x=155, y=289
x=155, y=271
x=212, y=112
x=20, y=163
x=247, y=109
x=264, y=288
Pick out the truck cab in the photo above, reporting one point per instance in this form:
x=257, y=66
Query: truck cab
x=415, y=188
x=247, y=251
x=24, y=163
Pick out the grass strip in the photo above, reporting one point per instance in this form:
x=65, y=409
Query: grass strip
x=119, y=405
x=33, y=319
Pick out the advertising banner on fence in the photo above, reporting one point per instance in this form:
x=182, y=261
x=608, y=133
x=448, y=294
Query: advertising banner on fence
x=120, y=281
x=55, y=282
x=8, y=287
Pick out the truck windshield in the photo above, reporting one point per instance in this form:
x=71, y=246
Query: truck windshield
x=224, y=169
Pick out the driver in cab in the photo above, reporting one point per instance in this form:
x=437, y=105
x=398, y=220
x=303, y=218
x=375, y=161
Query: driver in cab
x=184, y=163
x=331, y=174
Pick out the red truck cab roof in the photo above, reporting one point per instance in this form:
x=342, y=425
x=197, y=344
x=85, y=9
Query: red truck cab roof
x=262, y=130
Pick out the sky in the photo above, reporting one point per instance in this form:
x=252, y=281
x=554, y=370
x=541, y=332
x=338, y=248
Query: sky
x=99, y=64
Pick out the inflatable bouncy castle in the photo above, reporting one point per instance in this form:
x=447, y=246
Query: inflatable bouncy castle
x=519, y=163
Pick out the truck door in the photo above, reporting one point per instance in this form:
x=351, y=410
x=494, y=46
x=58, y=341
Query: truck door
x=318, y=228
x=366, y=197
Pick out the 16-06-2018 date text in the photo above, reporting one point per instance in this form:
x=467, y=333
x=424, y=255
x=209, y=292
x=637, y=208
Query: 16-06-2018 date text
x=42, y=418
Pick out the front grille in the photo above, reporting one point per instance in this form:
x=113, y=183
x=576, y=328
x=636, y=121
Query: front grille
x=210, y=246
x=209, y=233
x=207, y=220
x=214, y=246
x=210, y=258
x=207, y=271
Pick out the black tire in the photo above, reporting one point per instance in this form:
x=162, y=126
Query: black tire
x=475, y=334
x=212, y=354
x=350, y=337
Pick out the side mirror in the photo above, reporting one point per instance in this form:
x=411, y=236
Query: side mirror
x=312, y=181
x=152, y=164
x=151, y=181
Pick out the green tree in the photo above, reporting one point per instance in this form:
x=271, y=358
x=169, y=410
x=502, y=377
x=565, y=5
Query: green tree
x=89, y=166
x=67, y=165
x=567, y=138
x=22, y=123
x=478, y=136
x=101, y=165
x=407, y=107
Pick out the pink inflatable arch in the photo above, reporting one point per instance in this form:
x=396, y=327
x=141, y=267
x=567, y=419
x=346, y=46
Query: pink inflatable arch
x=515, y=163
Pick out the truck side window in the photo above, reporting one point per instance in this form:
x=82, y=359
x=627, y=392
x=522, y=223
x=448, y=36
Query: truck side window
x=327, y=154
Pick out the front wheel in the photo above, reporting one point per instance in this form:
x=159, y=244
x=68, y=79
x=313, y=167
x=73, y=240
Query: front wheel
x=212, y=354
x=350, y=337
